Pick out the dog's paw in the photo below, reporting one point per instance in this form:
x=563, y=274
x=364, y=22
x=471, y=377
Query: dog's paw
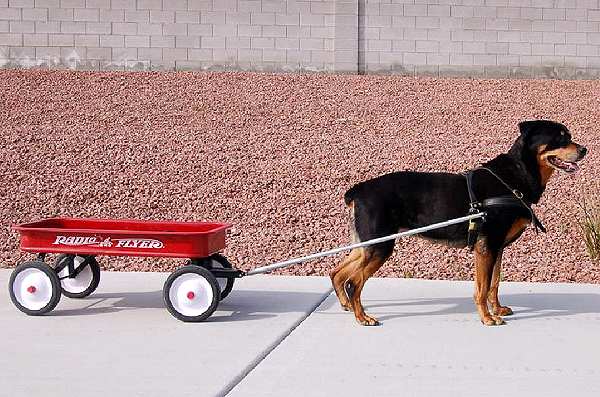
x=492, y=320
x=368, y=321
x=502, y=311
x=346, y=308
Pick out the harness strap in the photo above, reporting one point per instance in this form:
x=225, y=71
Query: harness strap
x=474, y=208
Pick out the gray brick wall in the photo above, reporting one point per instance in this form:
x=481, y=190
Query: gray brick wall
x=495, y=38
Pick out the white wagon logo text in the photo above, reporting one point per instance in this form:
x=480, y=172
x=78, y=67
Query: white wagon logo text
x=108, y=242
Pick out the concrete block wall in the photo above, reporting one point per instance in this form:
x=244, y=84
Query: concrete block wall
x=495, y=38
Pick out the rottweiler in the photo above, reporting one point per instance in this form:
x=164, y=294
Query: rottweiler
x=405, y=200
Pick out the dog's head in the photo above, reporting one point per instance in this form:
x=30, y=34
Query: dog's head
x=550, y=142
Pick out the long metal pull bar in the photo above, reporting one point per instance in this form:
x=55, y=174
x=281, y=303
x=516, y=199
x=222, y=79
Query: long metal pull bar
x=290, y=262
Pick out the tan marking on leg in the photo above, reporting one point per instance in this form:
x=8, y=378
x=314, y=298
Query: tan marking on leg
x=484, y=265
x=358, y=279
x=497, y=308
x=342, y=272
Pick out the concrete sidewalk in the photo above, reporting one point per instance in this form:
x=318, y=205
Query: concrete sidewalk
x=287, y=336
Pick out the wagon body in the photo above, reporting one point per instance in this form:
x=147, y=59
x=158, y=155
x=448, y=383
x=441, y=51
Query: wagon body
x=123, y=237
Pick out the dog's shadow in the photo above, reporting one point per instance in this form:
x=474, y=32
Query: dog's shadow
x=525, y=305
x=239, y=306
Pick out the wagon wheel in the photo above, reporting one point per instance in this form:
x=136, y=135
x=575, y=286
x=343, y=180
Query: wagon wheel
x=225, y=283
x=191, y=293
x=34, y=288
x=85, y=282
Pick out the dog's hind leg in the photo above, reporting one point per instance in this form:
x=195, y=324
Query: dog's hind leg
x=497, y=308
x=371, y=262
x=485, y=258
x=342, y=271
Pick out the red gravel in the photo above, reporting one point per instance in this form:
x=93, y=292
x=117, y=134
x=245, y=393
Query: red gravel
x=273, y=154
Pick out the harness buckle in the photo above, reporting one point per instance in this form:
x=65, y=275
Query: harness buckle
x=518, y=194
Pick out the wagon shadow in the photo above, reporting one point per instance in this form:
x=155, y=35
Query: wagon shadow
x=526, y=306
x=240, y=305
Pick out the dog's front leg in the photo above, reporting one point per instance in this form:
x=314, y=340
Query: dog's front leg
x=485, y=258
x=497, y=308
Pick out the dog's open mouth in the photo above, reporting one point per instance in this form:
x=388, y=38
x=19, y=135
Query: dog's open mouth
x=567, y=166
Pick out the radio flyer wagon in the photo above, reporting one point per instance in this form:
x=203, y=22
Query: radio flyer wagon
x=191, y=293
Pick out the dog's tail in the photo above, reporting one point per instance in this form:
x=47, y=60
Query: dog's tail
x=350, y=195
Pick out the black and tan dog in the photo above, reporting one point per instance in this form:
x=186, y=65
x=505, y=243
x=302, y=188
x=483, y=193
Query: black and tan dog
x=406, y=200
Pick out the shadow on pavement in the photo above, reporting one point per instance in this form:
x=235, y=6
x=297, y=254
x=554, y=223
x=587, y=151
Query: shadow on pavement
x=526, y=306
x=239, y=306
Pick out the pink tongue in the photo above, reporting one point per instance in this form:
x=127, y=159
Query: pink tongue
x=572, y=167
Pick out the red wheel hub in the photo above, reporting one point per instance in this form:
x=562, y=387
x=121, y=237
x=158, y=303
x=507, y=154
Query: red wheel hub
x=191, y=295
x=31, y=289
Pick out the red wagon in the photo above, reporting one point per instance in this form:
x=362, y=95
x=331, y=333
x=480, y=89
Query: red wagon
x=191, y=293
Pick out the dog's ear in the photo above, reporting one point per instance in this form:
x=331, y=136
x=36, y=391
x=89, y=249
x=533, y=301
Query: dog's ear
x=527, y=126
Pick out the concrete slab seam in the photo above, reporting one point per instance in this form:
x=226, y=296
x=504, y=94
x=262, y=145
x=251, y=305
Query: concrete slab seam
x=250, y=367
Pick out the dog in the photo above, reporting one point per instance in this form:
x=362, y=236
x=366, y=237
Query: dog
x=405, y=200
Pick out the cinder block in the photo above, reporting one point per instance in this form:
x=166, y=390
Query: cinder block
x=553, y=60
x=532, y=37
x=438, y=10
x=400, y=46
x=263, y=42
x=451, y=23
x=461, y=59
x=325, y=32
x=577, y=14
x=60, y=14
x=465, y=35
x=565, y=49
x=125, y=54
x=35, y=14
x=496, y=24
x=554, y=37
x=451, y=47
x=588, y=26
x=496, y=72
x=72, y=3
x=519, y=48
x=273, y=31
x=128, y=4
x=175, y=29
x=201, y=54
x=87, y=40
x=553, y=14
x=21, y=53
x=293, y=31
x=175, y=54
x=438, y=35
x=214, y=17
x=323, y=56
x=4, y=27
x=427, y=22
x=61, y=40
x=587, y=50
x=412, y=58
x=574, y=61
x=255, y=6
x=404, y=22
x=474, y=47
x=474, y=23
x=287, y=19
x=530, y=60
x=112, y=41
x=229, y=5
x=44, y=3
x=21, y=3
x=461, y=11
x=47, y=27
x=415, y=10
x=438, y=59
x=390, y=9
x=162, y=16
x=239, y=42
x=187, y=16
x=421, y=46
x=375, y=20
x=565, y=26
x=298, y=56
x=542, y=26
x=531, y=14
x=11, y=39
x=520, y=25
x=274, y=55
x=124, y=28
x=238, y=18
x=187, y=41
x=576, y=38
x=485, y=59
x=112, y=15
x=509, y=12
x=225, y=30
x=245, y=55
x=137, y=41
x=151, y=4
x=485, y=11
x=140, y=16
x=387, y=33
x=104, y=4
x=496, y=48
x=86, y=15
x=35, y=40
x=72, y=27
x=212, y=42
x=151, y=54
x=225, y=56
x=47, y=53
x=22, y=27
x=99, y=53
x=162, y=41
x=98, y=27
x=201, y=30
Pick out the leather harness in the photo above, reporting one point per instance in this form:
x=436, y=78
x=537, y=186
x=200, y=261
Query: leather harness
x=514, y=200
